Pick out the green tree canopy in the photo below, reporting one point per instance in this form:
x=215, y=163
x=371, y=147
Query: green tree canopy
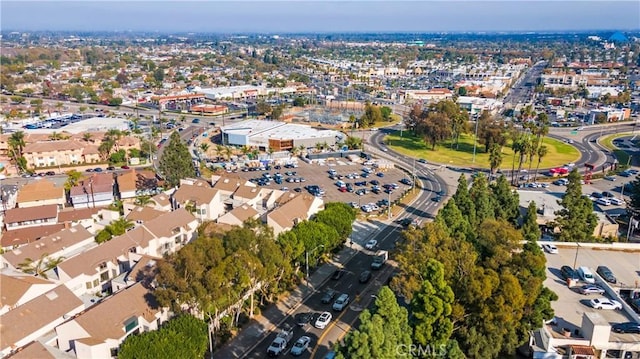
x=576, y=219
x=175, y=161
x=381, y=332
x=181, y=337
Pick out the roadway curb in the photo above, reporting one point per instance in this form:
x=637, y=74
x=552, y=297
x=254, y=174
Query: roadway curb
x=295, y=307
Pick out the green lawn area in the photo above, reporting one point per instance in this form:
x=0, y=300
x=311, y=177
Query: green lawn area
x=558, y=154
x=607, y=142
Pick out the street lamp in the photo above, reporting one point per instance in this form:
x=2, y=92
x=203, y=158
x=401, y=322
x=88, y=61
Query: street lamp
x=306, y=255
x=475, y=141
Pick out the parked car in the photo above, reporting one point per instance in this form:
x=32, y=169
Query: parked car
x=605, y=303
x=365, y=276
x=591, y=289
x=341, y=302
x=338, y=274
x=626, y=328
x=371, y=244
x=606, y=274
x=305, y=318
x=301, y=346
x=603, y=201
x=568, y=272
x=323, y=320
x=550, y=248
x=610, y=178
x=617, y=201
x=328, y=296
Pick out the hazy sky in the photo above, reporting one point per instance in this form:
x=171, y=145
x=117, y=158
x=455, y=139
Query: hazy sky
x=319, y=16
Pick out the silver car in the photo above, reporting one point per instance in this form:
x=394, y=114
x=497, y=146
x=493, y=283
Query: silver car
x=301, y=346
x=341, y=302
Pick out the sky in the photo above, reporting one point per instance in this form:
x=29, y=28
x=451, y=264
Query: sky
x=238, y=16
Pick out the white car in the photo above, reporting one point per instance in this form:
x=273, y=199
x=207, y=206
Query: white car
x=617, y=201
x=550, y=248
x=371, y=244
x=323, y=320
x=301, y=346
x=605, y=303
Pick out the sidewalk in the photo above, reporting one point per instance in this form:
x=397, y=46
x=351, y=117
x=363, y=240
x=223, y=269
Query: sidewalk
x=271, y=318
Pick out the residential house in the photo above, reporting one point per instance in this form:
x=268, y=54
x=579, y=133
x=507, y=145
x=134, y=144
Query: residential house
x=17, y=218
x=19, y=289
x=205, y=200
x=249, y=195
x=143, y=270
x=141, y=214
x=98, y=332
x=58, y=153
x=161, y=202
x=86, y=217
x=92, y=271
x=228, y=184
x=37, y=317
x=136, y=183
x=95, y=191
x=22, y=236
x=238, y=215
x=41, y=351
x=66, y=243
x=40, y=192
x=292, y=209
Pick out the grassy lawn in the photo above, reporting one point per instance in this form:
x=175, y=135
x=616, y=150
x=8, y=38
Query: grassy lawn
x=607, y=142
x=558, y=154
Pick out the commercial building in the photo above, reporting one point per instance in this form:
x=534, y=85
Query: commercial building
x=277, y=136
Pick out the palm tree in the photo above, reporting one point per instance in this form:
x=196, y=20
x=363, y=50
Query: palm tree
x=17, y=143
x=114, y=135
x=204, y=147
x=59, y=106
x=41, y=266
x=143, y=200
x=542, y=152
x=495, y=158
x=87, y=136
x=55, y=136
x=228, y=151
x=105, y=148
x=120, y=226
x=219, y=150
x=245, y=149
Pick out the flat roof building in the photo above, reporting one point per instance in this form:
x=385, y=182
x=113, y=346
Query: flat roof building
x=278, y=136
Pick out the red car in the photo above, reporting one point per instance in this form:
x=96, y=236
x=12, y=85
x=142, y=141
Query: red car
x=125, y=167
x=342, y=189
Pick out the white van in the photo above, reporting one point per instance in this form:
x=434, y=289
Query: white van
x=603, y=201
x=586, y=275
x=341, y=184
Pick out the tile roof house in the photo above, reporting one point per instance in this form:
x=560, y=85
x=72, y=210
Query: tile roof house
x=292, y=209
x=86, y=217
x=92, y=271
x=206, y=200
x=64, y=243
x=140, y=215
x=227, y=184
x=95, y=191
x=249, y=195
x=40, y=192
x=56, y=153
x=162, y=202
x=17, y=218
x=98, y=332
x=35, y=318
x=22, y=236
x=38, y=350
x=134, y=183
x=17, y=290
x=238, y=215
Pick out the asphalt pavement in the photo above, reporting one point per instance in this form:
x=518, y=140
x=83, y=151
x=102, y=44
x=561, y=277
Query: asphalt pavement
x=253, y=340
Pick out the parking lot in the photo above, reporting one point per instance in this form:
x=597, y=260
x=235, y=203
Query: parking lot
x=305, y=175
x=571, y=305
